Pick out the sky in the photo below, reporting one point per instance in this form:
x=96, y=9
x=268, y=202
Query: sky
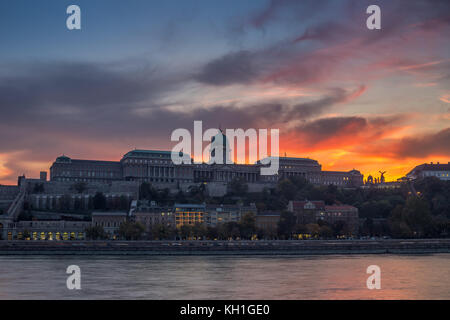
x=347, y=96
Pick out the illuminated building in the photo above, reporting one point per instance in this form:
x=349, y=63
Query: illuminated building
x=189, y=214
x=438, y=170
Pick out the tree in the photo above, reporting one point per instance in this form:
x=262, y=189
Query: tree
x=131, y=230
x=26, y=234
x=161, y=231
x=340, y=228
x=99, y=201
x=286, y=225
x=416, y=213
x=96, y=233
x=313, y=229
x=412, y=219
x=198, y=193
x=185, y=231
x=199, y=230
x=147, y=192
x=287, y=189
x=247, y=225
x=237, y=187
x=325, y=232
x=212, y=232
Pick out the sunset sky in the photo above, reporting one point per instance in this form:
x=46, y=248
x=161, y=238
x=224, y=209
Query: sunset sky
x=344, y=95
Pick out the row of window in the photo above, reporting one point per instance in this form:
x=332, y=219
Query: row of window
x=143, y=161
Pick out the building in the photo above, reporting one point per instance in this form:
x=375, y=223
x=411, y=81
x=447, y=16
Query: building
x=438, y=170
x=313, y=211
x=306, y=211
x=346, y=213
x=109, y=221
x=151, y=215
x=67, y=169
x=216, y=214
x=189, y=214
x=267, y=222
x=156, y=167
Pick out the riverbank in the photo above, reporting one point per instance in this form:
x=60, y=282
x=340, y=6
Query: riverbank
x=308, y=247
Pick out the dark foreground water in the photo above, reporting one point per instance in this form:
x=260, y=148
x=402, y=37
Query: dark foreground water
x=218, y=277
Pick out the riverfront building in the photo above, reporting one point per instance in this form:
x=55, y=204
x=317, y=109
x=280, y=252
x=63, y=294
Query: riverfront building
x=223, y=213
x=189, y=214
x=312, y=211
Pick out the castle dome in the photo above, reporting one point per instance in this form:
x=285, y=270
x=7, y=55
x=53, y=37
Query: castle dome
x=63, y=159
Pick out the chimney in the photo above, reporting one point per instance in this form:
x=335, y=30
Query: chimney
x=43, y=175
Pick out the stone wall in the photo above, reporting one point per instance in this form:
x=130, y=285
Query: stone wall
x=60, y=187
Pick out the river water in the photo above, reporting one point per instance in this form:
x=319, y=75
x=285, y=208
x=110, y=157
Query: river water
x=218, y=277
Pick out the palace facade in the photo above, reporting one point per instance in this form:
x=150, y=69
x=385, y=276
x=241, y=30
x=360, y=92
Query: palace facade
x=157, y=168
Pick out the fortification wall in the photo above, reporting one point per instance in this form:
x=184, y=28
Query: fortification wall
x=60, y=187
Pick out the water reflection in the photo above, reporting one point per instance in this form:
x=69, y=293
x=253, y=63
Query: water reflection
x=216, y=277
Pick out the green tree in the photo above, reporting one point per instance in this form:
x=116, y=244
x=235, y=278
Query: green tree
x=416, y=214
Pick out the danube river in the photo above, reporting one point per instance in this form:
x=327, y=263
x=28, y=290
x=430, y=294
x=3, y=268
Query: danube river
x=226, y=277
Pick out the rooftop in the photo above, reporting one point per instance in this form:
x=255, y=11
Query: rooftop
x=432, y=167
x=108, y=213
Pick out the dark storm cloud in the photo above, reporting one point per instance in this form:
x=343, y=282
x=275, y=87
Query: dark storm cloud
x=85, y=87
x=46, y=105
x=45, y=102
x=422, y=146
x=342, y=36
x=233, y=68
x=314, y=108
x=323, y=129
x=259, y=115
x=348, y=130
